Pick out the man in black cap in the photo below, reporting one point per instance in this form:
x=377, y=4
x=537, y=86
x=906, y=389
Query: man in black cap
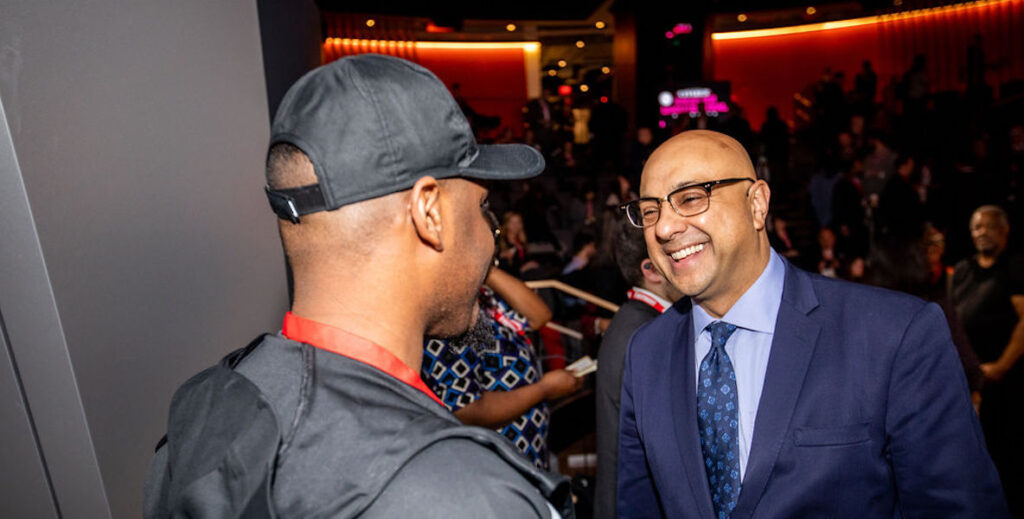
x=376, y=179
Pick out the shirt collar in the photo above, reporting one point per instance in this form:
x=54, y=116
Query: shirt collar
x=336, y=340
x=758, y=307
x=665, y=303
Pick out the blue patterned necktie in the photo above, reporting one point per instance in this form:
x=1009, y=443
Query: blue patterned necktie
x=718, y=420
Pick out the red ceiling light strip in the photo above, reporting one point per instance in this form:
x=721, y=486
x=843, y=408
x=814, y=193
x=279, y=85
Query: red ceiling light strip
x=856, y=22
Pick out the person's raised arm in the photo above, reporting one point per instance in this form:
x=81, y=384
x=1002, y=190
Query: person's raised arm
x=495, y=409
x=520, y=297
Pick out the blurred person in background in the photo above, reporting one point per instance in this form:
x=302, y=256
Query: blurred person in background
x=900, y=209
x=650, y=295
x=513, y=246
x=988, y=291
x=830, y=264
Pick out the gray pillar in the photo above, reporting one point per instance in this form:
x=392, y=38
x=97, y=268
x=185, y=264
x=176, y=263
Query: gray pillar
x=137, y=246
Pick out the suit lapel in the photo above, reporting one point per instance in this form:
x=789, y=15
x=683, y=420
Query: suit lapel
x=684, y=414
x=793, y=344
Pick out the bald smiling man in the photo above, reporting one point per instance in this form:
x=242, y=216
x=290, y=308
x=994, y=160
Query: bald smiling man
x=771, y=392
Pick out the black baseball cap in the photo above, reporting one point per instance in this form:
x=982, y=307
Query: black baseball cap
x=372, y=125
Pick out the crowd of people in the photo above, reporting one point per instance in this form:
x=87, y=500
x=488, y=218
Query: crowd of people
x=411, y=322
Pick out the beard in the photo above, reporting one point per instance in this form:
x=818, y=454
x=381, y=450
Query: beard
x=477, y=337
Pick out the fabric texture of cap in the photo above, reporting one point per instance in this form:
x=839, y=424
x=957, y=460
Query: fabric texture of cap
x=372, y=125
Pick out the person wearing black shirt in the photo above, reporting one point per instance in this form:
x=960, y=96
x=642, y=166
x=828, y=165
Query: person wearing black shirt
x=988, y=291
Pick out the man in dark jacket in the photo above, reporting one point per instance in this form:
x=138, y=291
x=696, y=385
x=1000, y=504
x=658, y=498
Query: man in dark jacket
x=373, y=173
x=649, y=296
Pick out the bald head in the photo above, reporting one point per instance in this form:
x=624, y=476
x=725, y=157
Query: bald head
x=708, y=238
x=700, y=148
x=996, y=212
x=990, y=231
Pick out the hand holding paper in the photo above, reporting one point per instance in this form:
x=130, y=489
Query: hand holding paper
x=582, y=366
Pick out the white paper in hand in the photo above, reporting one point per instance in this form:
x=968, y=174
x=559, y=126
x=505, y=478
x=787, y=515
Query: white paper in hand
x=582, y=366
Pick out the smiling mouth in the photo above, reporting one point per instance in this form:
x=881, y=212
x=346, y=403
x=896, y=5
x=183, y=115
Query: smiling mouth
x=686, y=252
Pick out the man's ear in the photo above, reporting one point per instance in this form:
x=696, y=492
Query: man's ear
x=650, y=272
x=760, y=195
x=425, y=210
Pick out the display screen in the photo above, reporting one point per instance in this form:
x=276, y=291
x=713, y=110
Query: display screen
x=690, y=98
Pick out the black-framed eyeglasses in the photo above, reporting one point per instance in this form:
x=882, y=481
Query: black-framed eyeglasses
x=688, y=200
x=492, y=219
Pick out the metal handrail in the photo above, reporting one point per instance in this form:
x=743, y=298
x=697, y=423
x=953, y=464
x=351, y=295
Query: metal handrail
x=573, y=291
x=565, y=330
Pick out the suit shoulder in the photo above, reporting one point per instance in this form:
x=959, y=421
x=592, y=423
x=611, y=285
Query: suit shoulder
x=630, y=316
x=666, y=323
x=655, y=335
x=865, y=302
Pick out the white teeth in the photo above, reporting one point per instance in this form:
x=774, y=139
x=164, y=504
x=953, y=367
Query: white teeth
x=693, y=249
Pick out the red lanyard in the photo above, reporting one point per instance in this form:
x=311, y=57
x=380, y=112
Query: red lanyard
x=645, y=298
x=505, y=320
x=336, y=340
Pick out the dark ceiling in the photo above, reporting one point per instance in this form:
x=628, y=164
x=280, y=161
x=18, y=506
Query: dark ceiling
x=583, y=9
x=471, y=10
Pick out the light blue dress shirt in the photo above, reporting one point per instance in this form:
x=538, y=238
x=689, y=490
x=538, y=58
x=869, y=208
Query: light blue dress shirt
x=754, y=314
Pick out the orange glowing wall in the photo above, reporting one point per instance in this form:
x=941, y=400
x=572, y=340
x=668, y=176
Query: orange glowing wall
x=493, y=80
x=769, y=70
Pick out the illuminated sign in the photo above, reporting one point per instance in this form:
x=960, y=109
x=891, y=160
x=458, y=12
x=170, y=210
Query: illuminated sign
x=689, y=100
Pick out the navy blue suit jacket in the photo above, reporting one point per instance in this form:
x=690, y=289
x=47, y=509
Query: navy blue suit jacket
x=865, y=413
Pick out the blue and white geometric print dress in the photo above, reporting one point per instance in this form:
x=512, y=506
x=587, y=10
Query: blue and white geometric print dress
x=459, y=375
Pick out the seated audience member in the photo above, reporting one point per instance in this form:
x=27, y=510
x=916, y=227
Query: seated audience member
x=584, y=249
x=623, y=192
x=936, y=289
x=900, y=210
x=829, y=262
x=513, y=246
x=649, y=296
x=492, y=376
x=778, y=236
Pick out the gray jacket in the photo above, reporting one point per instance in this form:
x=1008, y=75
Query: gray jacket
x=293, y=431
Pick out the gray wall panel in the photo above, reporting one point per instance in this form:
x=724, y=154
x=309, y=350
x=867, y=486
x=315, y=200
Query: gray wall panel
x=24, y=489
x=36, y=343
x=140, y=128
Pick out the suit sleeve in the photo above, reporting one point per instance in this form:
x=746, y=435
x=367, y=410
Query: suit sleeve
x=636, y=495
x=938, y=454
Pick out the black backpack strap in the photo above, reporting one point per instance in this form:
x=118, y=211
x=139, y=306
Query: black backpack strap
x=221, y=446
x=229, y=361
